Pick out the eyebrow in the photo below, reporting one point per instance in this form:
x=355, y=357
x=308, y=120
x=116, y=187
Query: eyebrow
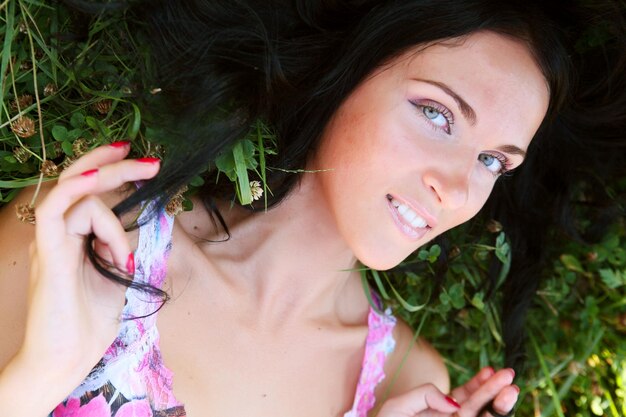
x=513, y=150
x=467, y=110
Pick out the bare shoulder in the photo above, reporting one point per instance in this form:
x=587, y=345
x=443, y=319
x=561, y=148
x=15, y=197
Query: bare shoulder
x=414, y=363
x=16, y=237
x=14, y=267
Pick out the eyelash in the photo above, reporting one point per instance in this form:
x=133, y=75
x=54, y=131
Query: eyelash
x=504, y=161
x=447, y=114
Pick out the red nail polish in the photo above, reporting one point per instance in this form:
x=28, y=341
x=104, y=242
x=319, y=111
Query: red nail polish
x=130, y=263
x=451, y=401
x=119, y=144
x=89, y=173
x=148, y=160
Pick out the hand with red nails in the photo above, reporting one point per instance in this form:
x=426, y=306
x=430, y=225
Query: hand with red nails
x=421, y=401
x=73, y=312
x=465, y=401
x=485, y=387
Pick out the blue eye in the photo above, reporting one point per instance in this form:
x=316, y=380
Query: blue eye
x=437, y=115
x=434, y=114
x=497, y=164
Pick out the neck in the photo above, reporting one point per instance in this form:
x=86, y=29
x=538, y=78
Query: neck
x=290, y=259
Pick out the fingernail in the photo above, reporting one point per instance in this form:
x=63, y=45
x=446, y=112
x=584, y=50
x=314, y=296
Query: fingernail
x=512, y=371
x=451, y=401
x=130, y=263
x=148, y=160
x=516, y=388
x=89, y=172
x=119, y=144
x=490, y=371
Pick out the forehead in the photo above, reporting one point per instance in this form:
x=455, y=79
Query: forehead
x=496, y=75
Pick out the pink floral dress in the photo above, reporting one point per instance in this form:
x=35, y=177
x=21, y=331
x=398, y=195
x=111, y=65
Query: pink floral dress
x=131, y=379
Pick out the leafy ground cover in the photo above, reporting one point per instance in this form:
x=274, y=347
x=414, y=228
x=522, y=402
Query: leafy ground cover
x=63, y=94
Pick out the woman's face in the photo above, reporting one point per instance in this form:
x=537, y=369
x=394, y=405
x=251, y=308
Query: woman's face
x=416, y=149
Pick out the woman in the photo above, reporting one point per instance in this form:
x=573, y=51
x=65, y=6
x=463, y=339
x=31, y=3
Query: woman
x=402, y=133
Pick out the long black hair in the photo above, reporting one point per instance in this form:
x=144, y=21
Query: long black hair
x=224, y=64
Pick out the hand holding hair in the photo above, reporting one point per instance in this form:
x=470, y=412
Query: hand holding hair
x=73, y=312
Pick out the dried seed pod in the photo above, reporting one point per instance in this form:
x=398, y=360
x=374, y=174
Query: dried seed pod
x=175, y=206
x=79, y=147
x=454, y=252
x=57, y=149
x=49, y=89
x=21, y=102
x=25, y=213
x=21, y=154
x=49, y=168
x=103, y=106
x=69, y=160
x=494, y=226
x=24, y=127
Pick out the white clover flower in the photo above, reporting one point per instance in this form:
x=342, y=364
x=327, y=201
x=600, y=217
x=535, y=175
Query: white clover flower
x=256, y=190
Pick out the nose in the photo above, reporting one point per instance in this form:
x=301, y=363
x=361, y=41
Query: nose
x=449, y=184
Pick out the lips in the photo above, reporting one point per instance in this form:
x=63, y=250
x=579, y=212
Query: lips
x=413, y=221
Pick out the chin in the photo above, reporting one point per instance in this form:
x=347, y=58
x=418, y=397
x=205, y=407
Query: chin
x=381, y=260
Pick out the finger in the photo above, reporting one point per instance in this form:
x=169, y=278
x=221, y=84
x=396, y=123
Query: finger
x=103, y=251
x=486, y=392
x=100, y=156
x=50, y=230
x=112, y=176
x=66, y=193
x=463, y=392
x=419, y=399
x=91, y=214
x=505, y=400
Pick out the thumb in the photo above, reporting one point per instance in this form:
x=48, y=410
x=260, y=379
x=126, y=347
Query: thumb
x=424, y=397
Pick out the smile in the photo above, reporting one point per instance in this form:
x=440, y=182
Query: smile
x=410, y=223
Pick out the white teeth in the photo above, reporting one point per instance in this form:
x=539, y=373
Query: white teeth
x=409, y=215
x=418, y=222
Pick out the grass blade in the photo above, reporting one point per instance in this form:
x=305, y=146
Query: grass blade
x=546, y=373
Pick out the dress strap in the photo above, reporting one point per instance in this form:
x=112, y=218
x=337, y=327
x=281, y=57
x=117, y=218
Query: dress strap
x=153, y=249
x=378, y=345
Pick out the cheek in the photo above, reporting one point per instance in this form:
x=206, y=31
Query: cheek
x=361, y=146
x=362, y=156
